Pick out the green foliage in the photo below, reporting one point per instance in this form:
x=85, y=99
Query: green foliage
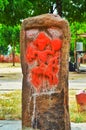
x=41, y=7
x=15, y=11
x=3, y=3
x=15, y=38
x=77, y=28
x=9, y=36
x=3, y=44
x=12, y=12
x=74, y=10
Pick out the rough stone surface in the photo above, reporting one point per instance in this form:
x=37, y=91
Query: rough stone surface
x=45, y=110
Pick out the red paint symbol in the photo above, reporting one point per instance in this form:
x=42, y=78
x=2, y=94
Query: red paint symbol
x=42, y=41
x=46, y=53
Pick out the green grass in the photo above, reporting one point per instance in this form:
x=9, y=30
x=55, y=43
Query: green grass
x=10, y=105
x=75, y=115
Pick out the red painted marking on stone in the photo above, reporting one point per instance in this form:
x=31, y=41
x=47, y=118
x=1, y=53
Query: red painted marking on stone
x=31, y=54
x=56, y=44
x=46, y=53
x=41, y=41
x=43, y=55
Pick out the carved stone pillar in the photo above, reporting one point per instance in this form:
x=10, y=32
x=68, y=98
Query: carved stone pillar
x=44, y=59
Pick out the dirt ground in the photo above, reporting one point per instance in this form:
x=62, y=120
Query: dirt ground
x=7, y=71
x=76, y=75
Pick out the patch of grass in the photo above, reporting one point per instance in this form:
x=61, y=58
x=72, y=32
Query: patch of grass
x=10, y=105
x=75, y=115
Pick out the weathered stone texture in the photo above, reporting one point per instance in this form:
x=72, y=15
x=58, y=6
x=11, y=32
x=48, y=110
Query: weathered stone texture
x=45, y=110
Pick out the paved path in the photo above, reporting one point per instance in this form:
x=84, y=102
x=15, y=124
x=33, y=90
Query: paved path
x=16, y=125
x=10, y=125
x=77, y=84
x=12, y=85
x=78, y=126
x=10, y=79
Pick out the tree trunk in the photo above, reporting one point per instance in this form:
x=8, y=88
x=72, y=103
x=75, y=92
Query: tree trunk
x=13, y=53
x=59, y=7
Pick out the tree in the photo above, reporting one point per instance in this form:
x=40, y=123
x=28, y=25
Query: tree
x=74, y=10
x=10, y=36
x=14, y=11
x=77, y=28
x=11, y=14
x=15, y=41
x=42, y=7
x=3, y=3
x=59, y=6
x=3, y=43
